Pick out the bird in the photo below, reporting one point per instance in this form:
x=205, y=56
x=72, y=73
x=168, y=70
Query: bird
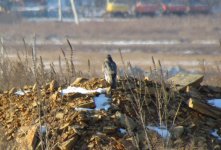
x=110, y=71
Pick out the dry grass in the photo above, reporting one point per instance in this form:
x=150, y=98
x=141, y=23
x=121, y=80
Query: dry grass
x=167, y=27
x=28, y=67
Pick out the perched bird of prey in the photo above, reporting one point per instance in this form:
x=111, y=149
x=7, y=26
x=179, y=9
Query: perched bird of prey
x=110, y=71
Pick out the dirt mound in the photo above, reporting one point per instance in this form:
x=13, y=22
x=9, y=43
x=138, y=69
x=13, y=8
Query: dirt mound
x=138, y=114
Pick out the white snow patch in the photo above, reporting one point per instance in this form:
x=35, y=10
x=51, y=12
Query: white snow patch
x=101, y=102
x=71, y=89
x=215, y=134
x=215, y=102
x=83, y=109
x=123, y=131
x=162, y=131
x=43, y=129
x=21, y=93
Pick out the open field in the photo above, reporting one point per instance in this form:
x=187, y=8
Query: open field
x=183, y=41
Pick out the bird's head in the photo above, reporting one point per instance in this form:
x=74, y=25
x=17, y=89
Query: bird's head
x=109, y=57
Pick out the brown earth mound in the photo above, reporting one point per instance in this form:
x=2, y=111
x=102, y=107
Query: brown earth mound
x=46, y=117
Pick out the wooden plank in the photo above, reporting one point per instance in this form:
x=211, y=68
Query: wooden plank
x=181, y=81
x=204, y=108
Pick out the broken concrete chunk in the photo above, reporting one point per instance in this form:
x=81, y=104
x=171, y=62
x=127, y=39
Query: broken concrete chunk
x=34, y=88
x=79, y=81
x=177, y=131
x=109, y=129
x=54, y=96
x=29, y=140
x=89, y=104
x=181, y=81
x=59, y=115
x=53, y=86
x=125, y=121
x=68, y=145
x=12, y=91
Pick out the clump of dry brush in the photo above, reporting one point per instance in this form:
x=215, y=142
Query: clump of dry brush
x=27, y=68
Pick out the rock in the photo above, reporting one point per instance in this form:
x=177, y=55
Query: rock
x=59, y=115
x=53, y=86
x=211, y=122
x=72, y=96
x=26, y=87
x=30, y=140
x=46, y=87
x=217, y=147
x=54, y=96
x=34, y=88
x=12, y=91
x=68, y=145
x=89, y=104
x=201, y=142
x=109, y=129
x=79, y=81
x=108, y=92
x=177, y=132
x=125, y=121
x=181, y=81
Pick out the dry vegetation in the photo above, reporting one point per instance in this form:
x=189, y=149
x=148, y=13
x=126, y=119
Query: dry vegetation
x=146, y=102
x=143, y=102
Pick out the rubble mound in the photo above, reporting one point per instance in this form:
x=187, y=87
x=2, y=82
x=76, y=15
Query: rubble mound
x=138, y=114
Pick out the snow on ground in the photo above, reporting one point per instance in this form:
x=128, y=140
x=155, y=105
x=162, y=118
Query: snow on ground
x=122, y=131
x=215, y=102
x=72, y=89
x=162, y=131
x=215, y=134
x=21, y=93
x=43, y=129
x=101, y=101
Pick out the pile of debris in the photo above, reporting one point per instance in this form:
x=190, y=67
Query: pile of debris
x=138, y=114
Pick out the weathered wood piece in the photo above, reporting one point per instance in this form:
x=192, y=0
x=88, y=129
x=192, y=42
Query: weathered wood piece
x=181, y=81
x=204, y=108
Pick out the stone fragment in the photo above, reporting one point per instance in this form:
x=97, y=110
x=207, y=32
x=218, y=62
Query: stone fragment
x=34, y=88
x=73, y=96
x=79, y=81
x=26, y=87
x=54, y=96
x=68, y=145
x=53, y=86
x=109, y=129
x=217, y=147
x=12, y=91
x=125, y=121
x=177, y=131
x=89, y=104
x=29, y=140
x=59, y=115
